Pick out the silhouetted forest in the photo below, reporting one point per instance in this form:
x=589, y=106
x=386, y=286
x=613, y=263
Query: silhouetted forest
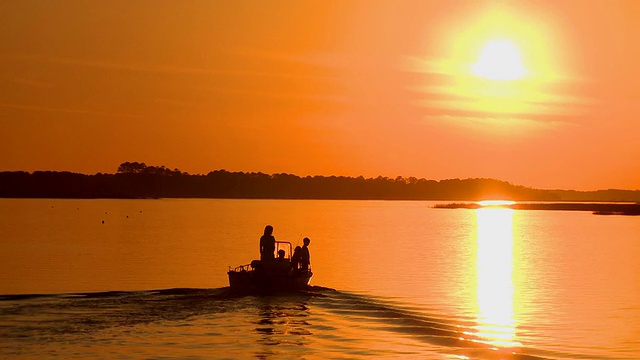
x=137, y=180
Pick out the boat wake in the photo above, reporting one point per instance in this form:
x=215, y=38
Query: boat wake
x=322, y=320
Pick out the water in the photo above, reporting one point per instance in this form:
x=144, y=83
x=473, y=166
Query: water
x=392, y=279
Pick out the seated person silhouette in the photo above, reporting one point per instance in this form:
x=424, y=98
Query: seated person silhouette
x=295, y=259
x=281, y=263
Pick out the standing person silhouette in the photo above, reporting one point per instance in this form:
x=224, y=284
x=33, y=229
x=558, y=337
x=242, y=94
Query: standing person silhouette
x=267, y=244
x=305, y=258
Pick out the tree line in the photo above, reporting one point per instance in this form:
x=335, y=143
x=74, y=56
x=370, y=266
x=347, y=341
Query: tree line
x=137, y=180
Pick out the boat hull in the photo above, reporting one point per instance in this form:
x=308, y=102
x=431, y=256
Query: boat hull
x=264, y=282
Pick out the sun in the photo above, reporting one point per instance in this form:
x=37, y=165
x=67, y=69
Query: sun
x=499, y=60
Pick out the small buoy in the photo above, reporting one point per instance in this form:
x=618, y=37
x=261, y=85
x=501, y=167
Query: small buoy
x=103, y=221
x=105, y=213
x=140, y=211
x=127, y=216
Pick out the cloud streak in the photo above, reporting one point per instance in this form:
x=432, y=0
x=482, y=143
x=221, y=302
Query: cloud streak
x=148, y=68
x=66, y=110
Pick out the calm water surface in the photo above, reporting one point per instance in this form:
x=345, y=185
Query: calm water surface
x=147, y=278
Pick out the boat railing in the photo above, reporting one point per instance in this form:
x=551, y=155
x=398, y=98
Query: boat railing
x=241, y=268
x=286, y=246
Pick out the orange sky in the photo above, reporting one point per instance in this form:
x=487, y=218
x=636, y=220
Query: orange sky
x=324, y=88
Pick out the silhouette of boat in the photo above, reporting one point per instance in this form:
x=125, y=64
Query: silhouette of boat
x=265, y=277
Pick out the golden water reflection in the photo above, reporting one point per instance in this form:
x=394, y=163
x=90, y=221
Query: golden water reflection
x=494, y=268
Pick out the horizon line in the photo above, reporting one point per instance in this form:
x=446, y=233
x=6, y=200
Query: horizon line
x=327, y=176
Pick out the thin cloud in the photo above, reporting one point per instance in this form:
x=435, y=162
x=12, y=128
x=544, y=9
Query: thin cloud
x=149, y=68
x=450, y=93
x=177, y=103
x=495, y=123
x=66, y=110
x=28, y=82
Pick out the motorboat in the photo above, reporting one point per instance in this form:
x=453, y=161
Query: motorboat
x=272, y=276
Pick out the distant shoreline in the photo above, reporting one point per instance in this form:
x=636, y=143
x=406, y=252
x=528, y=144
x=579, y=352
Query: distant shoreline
x=139, y=181
x=597, y=208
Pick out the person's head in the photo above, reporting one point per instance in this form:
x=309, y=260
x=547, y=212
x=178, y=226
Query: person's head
x=268, y=230
x=297, y=249
x=306, y=241
x=280, y=254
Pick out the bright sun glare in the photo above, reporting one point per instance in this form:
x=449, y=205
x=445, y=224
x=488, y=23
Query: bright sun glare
x=499, y=60
x=485, y=203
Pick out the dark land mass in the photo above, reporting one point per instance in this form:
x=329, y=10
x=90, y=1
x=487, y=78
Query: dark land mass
x=598, y=208
x=136, y=180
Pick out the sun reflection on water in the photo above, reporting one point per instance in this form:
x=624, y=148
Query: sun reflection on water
x=494, y=265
